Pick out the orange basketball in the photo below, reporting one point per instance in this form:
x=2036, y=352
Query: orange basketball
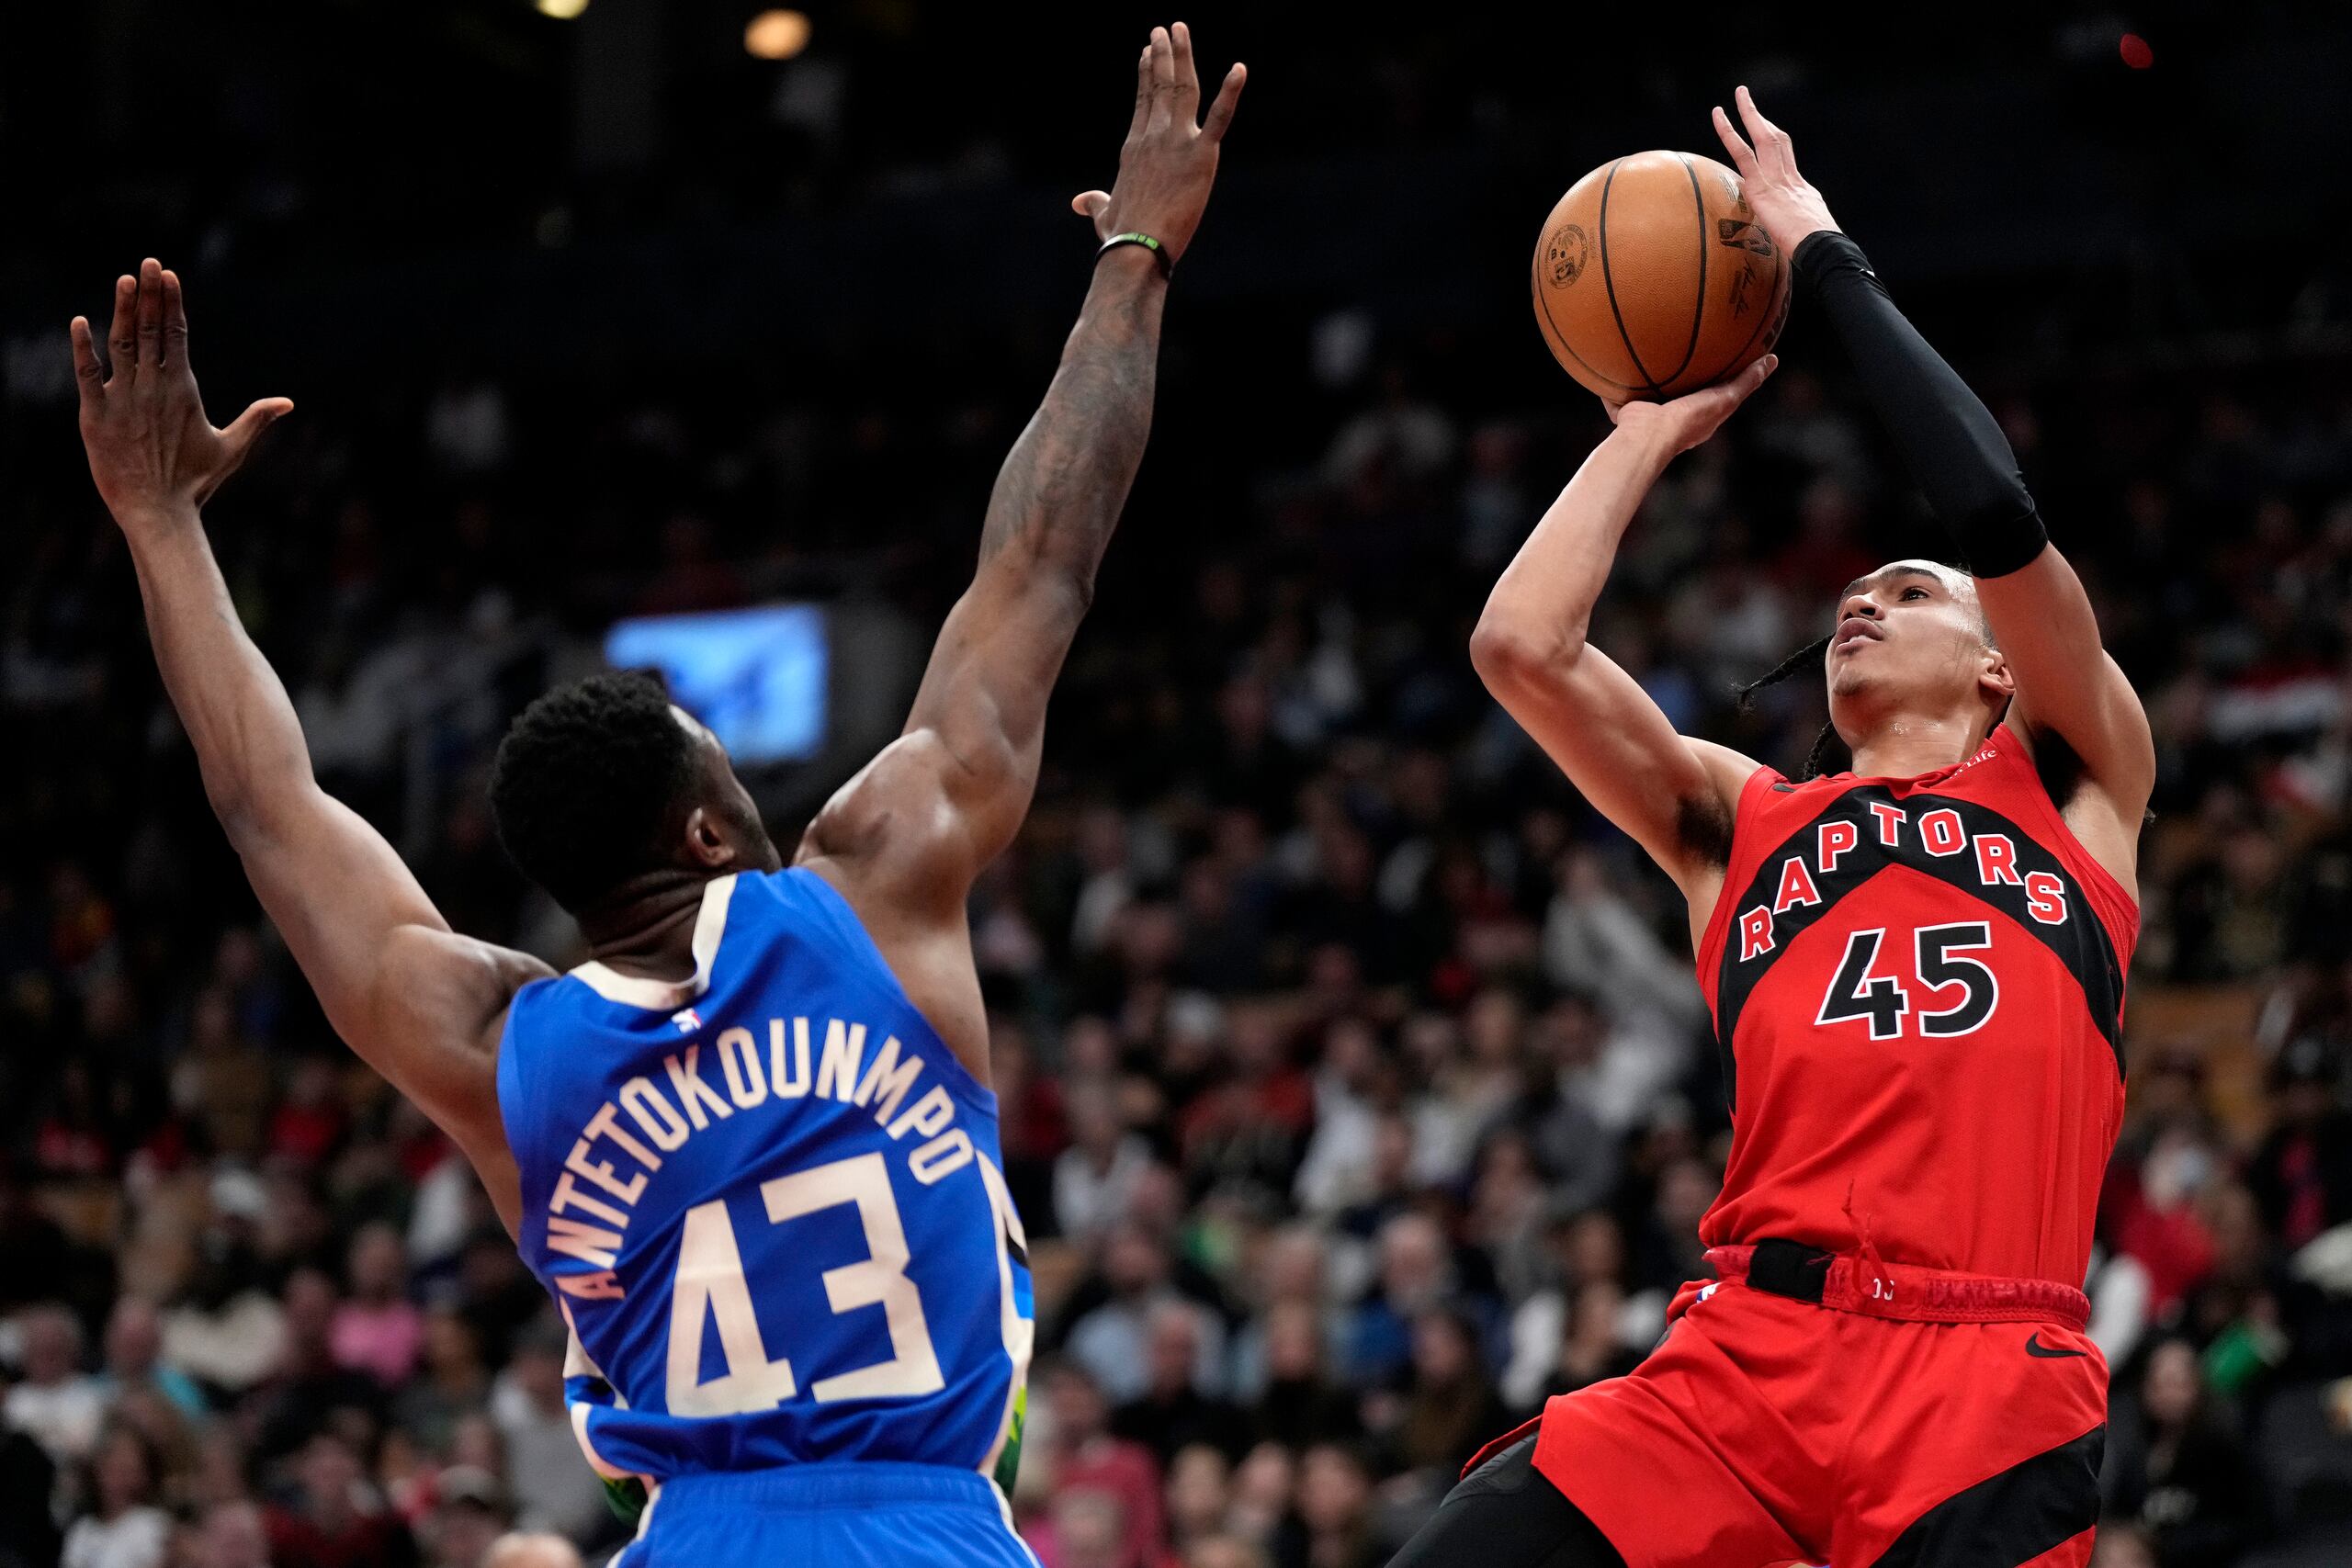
x=1652, y=277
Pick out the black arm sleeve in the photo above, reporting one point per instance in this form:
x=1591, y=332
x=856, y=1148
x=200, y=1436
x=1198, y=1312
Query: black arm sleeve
x=1948, y=437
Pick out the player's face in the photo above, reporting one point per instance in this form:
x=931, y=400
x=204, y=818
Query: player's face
x=727, y=806
x=1910, y=633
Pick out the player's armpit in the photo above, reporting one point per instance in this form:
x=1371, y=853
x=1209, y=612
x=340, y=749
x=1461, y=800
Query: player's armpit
x=2066, y=683
x=1672, y=795
x=893, y=843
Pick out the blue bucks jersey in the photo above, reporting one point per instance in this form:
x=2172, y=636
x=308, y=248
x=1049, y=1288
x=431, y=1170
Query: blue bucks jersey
x=768, y=1201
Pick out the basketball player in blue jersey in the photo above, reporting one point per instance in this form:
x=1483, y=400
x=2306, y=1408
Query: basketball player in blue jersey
x=750, y=1146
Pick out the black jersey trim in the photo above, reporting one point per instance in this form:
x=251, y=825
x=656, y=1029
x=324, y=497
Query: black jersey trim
x=2079, y=941
x=2009, y=1517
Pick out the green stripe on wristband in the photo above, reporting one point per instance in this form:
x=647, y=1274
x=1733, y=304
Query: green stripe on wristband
x=1159, y=252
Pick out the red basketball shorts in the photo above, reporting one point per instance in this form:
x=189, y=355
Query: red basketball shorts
x=1766, y=1429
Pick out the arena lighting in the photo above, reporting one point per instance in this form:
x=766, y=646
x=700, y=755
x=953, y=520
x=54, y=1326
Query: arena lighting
x=561, y=10
x=776, y=35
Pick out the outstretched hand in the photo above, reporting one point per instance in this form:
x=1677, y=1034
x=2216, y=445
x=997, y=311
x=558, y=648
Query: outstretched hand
x=1169, y=161
x=1785, y=202
x=1690, y=419
x=151, y=450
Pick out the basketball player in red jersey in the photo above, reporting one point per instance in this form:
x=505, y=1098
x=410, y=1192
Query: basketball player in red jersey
x=1916, y=973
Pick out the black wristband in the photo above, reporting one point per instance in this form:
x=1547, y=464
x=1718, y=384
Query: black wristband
x=1159, y=252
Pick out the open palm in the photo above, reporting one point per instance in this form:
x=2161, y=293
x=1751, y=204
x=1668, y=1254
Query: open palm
x=151, y=450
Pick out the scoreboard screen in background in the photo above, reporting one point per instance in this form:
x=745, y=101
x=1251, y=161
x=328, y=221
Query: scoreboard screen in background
x=756, y=677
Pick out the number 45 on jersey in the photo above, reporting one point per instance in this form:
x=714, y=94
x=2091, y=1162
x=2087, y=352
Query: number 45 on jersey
x=1955, y=994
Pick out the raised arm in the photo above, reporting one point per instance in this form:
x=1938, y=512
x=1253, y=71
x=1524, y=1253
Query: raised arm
x=1675, y=796
x=907, y=837
x=2067, y=685
x=420, y=1004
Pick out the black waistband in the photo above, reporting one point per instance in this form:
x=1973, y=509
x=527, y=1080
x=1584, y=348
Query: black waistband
x=1788, y=1269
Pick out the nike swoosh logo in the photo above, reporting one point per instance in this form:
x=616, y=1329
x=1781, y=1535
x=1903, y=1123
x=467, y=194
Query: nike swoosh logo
x=2034, y=1346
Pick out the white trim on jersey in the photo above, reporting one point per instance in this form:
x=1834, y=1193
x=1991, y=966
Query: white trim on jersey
x=581, y=1411
x=1004, y=1509
x=644, y=1523
x=1020, y=1333
x=669, y=995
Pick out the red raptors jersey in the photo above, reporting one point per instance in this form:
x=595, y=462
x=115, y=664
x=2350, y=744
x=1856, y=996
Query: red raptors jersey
x=1918, y=987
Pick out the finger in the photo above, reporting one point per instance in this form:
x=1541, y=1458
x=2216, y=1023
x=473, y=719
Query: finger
x=1771, y=141
x=1188, y=79
x=1228, y=98
x=1090, y=203
x=122, y=337
x=89, y=376
x=1163, y=76
x=1743, y=157
x=1143, y=93
x=151, y=313
x=239, y=438
x=1754, y=376
x=175, y=322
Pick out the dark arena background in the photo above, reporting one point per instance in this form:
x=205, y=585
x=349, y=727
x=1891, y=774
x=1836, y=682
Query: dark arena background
x=1355, y=1087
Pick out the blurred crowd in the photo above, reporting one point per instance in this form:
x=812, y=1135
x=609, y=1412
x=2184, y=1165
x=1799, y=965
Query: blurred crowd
x=1355, y=1085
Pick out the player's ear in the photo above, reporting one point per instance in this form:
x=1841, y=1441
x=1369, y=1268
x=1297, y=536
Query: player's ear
x=1994, y=675
x=708, y=843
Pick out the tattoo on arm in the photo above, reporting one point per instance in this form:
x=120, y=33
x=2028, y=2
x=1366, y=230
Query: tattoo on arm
x=1060, y=492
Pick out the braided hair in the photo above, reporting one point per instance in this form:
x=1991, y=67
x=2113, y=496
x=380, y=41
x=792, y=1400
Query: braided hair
x=1826, y=744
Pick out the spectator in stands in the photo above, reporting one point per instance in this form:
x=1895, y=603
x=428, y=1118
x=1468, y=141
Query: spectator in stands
x=554, y=1489
x=2302, y=1175
x=54, y=1402
x=1416, y=1273
x=2178, y=1468
x=1333, y=1525
x=310, y=1387
x=1448, y=1407
x=1172, y=1412
x=232, y=1535
x=1351, y=1080
x=451, y=1379
x=377, y=1329
x=1085, y=1457
x=1299, y=1402
x=134, y=1344
x=334, y=1518
x=124, y=1527
x=1668, y=1250
x=526, y=1549
x=1113, y=1339
x=1225, y=1551
x=2123, y=1544
x=470, y=1511
x=1592, y=1344
x=1089, y=1529
x=1094, y=1179
x=29, y=1535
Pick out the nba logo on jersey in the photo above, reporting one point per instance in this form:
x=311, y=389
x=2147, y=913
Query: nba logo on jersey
x=769, y=1198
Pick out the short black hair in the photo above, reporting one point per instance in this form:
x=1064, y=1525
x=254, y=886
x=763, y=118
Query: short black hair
x=590, y=784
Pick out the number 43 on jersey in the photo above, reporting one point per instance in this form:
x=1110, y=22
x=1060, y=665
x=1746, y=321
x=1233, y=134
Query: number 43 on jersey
x=1954, y=993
